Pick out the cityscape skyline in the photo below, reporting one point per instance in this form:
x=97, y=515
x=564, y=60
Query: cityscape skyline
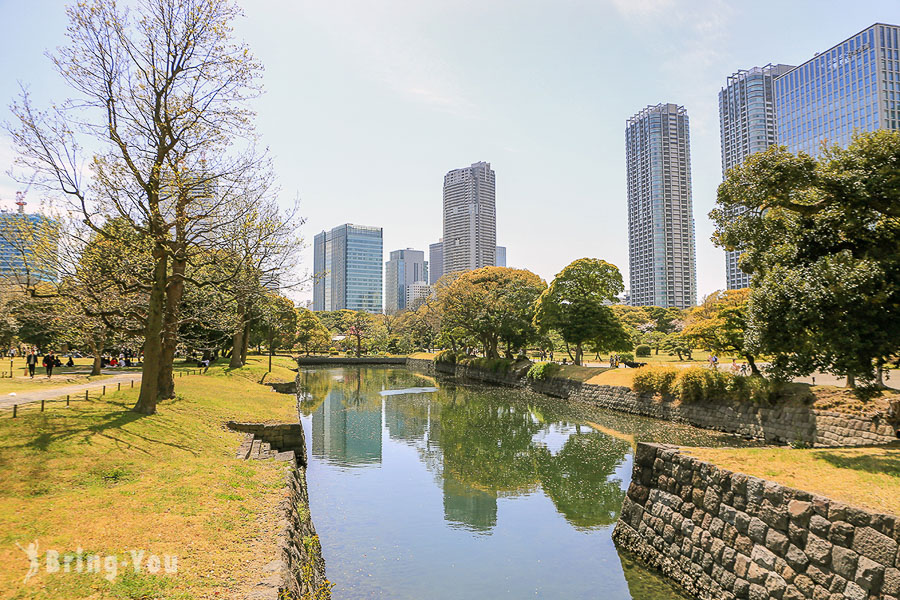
x=572, y=160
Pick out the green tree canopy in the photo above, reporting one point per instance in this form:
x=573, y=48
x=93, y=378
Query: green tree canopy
x=575, y=306
x=821, y=239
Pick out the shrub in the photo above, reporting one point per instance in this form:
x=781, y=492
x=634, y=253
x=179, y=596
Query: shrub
x=642, y=350
x=626, y=356
x=542, y=371
x=494, y=365
x=692, y=384
x=448, y=357
x=333, y=351
x=655, y=379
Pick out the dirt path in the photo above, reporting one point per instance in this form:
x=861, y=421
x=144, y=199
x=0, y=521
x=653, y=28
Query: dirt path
x=74, y=390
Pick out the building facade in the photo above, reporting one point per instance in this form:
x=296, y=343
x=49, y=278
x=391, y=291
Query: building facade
x=435, y=261
x=28, y=248
x=661, y=248
x=853, y=86
x=747, y=125
x=470, y=219
x=417, y=291
x=347, y=266
x=501, y=256
x=404, y=268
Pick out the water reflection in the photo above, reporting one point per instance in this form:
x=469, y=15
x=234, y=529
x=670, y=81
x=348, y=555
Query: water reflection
x=469, y=491
x=479, y=446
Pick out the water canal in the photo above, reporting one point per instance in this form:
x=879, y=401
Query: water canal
x=424, y=488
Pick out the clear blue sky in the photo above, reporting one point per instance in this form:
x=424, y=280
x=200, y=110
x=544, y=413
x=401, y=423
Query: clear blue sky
x=369, y=104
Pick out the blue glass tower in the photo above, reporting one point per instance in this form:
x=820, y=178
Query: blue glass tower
x=28, y=248
x=348, y=269
x=853, y=86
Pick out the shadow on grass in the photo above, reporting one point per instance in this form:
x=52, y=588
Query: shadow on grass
x=888, y=464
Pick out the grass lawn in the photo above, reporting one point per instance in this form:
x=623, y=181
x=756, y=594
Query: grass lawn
x=865, y=477
x=98, y=477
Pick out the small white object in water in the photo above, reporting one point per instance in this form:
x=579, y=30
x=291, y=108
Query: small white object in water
x=415, y=390
x=12, y=393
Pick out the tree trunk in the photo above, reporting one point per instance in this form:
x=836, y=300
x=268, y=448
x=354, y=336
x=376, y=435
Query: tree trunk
x=174, y=293
x=98, y=361
x=246, y=343
x=851, y=382
x=358, y=346
x=149, y=395
x=579, y=354
x=238, y=343
x=879, y=376
x=752, y=362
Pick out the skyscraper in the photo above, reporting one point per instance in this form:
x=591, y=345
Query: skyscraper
x=347, y=265
x=435, y=261
x=661, y=248
x=29, y=246
x=746, y=126
x=470, y=218
x=852, y=86
x=404, y=268
x=501, y=256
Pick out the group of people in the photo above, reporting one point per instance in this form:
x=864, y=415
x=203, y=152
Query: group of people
x=736, y=369
x=49, y=362
x=115, y=361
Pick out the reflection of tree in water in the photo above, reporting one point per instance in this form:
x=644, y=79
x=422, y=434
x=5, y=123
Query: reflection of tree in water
x=474, y=509
x=578, y=478
x=487, y=444
x=313, y=387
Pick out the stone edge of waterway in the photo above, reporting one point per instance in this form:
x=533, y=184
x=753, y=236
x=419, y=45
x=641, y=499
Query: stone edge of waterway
x=719, y=534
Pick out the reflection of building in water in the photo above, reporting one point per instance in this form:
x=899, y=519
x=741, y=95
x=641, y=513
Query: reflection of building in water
x=345, y=434
x=406, y=419
x=467, y=506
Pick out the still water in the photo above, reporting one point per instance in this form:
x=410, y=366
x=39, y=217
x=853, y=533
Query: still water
x=431, y=489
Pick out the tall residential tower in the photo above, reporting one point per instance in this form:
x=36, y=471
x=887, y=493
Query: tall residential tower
x=470, y=218
x=853, y=86
x=746, y=126
x=347, y=265
x=662, y=260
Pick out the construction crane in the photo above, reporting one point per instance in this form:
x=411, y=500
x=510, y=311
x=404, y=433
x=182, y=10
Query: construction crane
x=20, y=196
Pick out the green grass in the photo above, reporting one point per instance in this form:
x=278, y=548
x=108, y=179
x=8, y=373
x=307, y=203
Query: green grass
x=865, y=477
x=98, y=476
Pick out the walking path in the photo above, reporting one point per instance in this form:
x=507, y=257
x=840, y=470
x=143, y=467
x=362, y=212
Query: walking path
x=74, y=390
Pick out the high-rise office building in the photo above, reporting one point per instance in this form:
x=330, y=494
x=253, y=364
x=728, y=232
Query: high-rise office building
x=347, y=266
x=501, y=256
x=404, y=268
x=29, y=247
x=853, y=86
x=746, y=126
x=661, y=252
x=470, y=218
x=416, y=291
x=435, y=261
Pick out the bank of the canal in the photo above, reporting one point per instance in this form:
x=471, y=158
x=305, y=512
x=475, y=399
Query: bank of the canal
x=426, y=486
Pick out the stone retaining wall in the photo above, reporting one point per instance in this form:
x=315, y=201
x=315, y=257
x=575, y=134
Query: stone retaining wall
x=724, y=535
x=282, y=437
x=351, y=360
x=785, y=424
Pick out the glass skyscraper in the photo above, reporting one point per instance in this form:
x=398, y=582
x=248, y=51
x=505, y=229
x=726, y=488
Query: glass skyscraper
x=348, y=269
x=853, y=86
x=28, y=247
x=661, y=251
x=404, y=268
x=470, y=219
x=746, y=126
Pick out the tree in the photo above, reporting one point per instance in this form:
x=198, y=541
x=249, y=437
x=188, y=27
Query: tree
x=162, y=92
x=492, y=305
x=719, y=323
x=574, y=305
x=357, y=324
x=311, y=334
x=277, y=323
x=821, y=241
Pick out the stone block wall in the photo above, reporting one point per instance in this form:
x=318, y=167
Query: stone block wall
x=301, y=552
x=724, y=535
x=281, y=437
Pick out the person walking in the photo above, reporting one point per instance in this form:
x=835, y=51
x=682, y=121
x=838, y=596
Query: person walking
x=31, y=361
x=49, y=362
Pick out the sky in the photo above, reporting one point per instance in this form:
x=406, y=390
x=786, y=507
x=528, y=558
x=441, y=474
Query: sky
x=368, y=104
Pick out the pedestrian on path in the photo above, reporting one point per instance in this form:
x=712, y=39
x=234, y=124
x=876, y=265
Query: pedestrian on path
x=31, y=361
x=49, y=362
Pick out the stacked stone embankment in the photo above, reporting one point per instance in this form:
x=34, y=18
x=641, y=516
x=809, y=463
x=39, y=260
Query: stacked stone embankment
x=793, y=423
x=723, y=535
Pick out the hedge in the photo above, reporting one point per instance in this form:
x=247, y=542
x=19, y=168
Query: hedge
x=698, y=384
x=541, y=371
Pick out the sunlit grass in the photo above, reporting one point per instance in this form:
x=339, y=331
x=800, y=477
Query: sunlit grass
x=99, y=477
x=864, y=477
